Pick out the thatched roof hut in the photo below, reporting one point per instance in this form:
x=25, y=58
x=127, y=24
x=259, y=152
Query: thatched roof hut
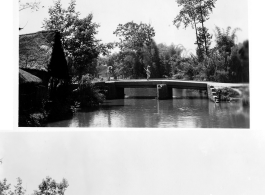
x=31, y=91
x=43, y=52
x=27, y=78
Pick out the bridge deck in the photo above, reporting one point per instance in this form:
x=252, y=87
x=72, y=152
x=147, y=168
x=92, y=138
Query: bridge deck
x=143, y=83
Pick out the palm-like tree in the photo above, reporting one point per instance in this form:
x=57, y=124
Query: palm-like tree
x=224, y=40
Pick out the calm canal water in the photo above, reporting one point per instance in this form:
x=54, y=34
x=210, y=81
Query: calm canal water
x=189, y=109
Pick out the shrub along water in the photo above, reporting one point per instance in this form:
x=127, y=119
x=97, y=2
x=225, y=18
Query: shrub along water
x=226, y=94
x=87, y=95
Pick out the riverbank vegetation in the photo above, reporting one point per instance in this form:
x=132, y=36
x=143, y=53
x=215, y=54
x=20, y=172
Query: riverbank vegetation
x=227, y=94
x=87, y=95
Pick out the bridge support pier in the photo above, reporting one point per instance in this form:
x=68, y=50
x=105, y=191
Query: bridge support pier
x=114, y=92
x=163, y=92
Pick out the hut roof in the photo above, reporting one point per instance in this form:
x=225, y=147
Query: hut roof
x=43, y=51
x=25, y=78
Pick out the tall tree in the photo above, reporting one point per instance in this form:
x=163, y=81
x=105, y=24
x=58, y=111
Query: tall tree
x=83, y=47
x=187, y=16
x=204, y=40
x=203, y=9
x=195, y=12
x=135, y=37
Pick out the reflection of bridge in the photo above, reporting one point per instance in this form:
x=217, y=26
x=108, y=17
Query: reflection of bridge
x=164, y=87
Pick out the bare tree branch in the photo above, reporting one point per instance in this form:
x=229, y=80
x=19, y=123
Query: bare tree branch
x=34, y=6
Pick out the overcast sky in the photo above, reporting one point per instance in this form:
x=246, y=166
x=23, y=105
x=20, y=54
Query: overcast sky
x=182, y=162
x=159, y=13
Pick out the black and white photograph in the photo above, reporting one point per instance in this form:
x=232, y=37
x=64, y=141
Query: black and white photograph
x=134, y=64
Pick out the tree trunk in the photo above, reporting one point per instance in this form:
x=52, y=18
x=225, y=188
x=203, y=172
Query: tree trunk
x=196, y=32
x=204, y=36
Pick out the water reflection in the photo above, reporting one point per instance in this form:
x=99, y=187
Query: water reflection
x=181, y=113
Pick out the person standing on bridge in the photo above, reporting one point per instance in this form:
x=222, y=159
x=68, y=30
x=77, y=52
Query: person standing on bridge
x=148, y=72
x=109, y=69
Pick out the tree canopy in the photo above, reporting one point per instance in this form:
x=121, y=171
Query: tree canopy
x=134, y=36
x=47, y=186
x=224, y=40
x=195, y=12
x=5, y=188
x=78, y=38
x=51, y=187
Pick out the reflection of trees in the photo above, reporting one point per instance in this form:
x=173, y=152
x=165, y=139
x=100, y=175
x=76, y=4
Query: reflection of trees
x=190, y=112
x=228, y=115
x=195, y=113
x=142, y=113
x=82, y=119
x=109, y=118
x=140, y=92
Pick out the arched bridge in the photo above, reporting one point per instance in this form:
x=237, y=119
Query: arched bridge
x=164, y=87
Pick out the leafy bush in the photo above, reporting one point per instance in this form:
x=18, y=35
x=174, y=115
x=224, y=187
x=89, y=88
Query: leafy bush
x=33, y=119
x=225, y=94
x=87, y=94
